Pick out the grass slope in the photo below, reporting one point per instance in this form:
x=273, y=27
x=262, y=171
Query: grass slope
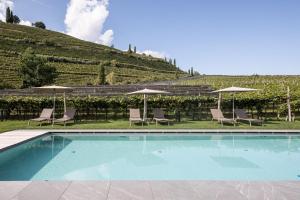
x=124, y=124
x=77, y=61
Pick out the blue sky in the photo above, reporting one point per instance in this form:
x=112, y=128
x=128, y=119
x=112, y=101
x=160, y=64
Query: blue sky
x=213, y=36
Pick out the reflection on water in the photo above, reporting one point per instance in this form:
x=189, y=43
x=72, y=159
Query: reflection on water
x=22, y=162
x=153, y=157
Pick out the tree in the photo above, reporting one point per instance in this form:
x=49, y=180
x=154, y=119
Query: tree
x=170, y=61
x=129, y=49
x=16, y=19
x=112, y=78
x=174, y=63
x=9, y=16
x=134, y=49
x=192, y=71
x=46, y=75
x=34, y=71
x=40, y=25
x=176, y=75
x=101, y=75
x=196, y=73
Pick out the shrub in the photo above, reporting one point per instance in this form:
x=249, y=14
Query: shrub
x=40, y=24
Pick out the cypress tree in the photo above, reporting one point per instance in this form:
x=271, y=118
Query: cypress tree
x=9, y=16
x=174, y=62
x=129, y=49
x=102, y=79
x=134, y=49
x=192, y=71
x=176, y=75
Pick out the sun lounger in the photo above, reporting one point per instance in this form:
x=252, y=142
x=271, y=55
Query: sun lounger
x=45, y=116
x=68, y=116
x=159, y=116
x=218, y=116
x=242, y=116
x=135, y=116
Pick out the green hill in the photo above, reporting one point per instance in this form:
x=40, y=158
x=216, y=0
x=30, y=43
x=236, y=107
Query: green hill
x=77, y=61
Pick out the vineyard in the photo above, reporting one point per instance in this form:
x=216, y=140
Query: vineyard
x=116, y=107
x=77, y=61
x=272, y=87
x=272, y=94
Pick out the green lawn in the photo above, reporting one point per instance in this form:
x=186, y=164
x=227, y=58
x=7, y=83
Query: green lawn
x=123, y=124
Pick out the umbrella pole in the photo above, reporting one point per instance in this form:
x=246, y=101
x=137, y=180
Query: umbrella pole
x=289, y=105
x=233, y=107
x=53, y=109
x=65, y=104
x=145, y=107
x=219, y=100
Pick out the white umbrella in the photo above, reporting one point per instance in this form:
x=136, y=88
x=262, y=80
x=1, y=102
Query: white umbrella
x=234, y=90
x=54, y=89
x=146, y=92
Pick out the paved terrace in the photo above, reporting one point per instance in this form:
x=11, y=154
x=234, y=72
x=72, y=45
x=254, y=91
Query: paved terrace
x=181, y=190
x=144, y=190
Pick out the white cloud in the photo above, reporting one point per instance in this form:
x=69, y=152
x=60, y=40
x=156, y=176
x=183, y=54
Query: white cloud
x=25, y=23
x=3, y=5
x=155, y=54
x=85, y=19
x=106, y=38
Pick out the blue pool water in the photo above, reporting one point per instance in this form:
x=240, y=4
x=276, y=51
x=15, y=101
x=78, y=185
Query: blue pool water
x=154, y=157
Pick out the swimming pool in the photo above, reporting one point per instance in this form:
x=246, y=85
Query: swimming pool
x=154, y=157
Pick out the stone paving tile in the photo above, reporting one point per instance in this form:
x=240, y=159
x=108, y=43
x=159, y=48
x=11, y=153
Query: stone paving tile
x=131, y=190
x=159, y=190
x=12, y=134
x=287, y=190
x=236, y=190
x=267, y=190
x=261, y=190
x=175, y=190
x=90, y=190
x=24, y=132
x=8, y=139
x=43, y=190
x=254, y=190
x=9, y=189
x=13, y=139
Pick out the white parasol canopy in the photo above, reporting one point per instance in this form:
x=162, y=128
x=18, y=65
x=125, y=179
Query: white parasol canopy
x=234, y=90
x=146, y=92
x=54, y=89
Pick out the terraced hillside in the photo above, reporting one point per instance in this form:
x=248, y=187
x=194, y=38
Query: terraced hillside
x=77, y=61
